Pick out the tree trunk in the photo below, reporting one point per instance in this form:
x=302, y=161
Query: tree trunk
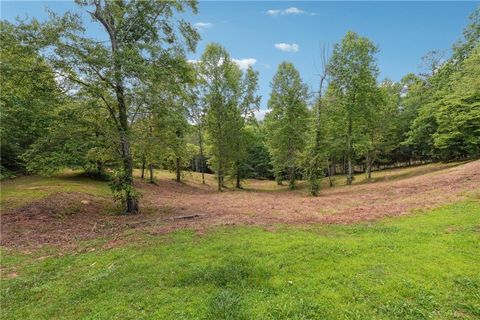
x=119, y=114
x=130, y=197
x=131, y=200
x=202, y=162
x=369, y=167
x=150, y=167
x=143, y=168
x=220, y=178
x=349, y=153
x=237, y=184
x=331, y=168
x=291, y=178
x=177, y=169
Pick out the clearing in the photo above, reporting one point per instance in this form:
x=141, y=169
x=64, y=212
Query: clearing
x=68, y=208
x=344, y=255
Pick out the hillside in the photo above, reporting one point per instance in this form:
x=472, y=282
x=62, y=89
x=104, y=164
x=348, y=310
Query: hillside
x=65, y=255
x=70, y=207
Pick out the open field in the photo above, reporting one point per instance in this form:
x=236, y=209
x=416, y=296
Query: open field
x=343, y=255
x=92, y=91
x=423, y=266
x=68, y=208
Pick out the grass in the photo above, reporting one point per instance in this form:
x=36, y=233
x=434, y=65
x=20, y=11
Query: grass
x=422, y=266
x=195, y=178
x=21, y=191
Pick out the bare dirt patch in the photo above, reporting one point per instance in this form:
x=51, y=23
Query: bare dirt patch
x=65, y=218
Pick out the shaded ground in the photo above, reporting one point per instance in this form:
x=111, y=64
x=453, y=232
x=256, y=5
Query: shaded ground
x=64, y=218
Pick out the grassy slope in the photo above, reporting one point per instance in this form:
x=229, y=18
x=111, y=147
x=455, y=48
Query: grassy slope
x=338, y=180
x=20, y=191
x=416, y=267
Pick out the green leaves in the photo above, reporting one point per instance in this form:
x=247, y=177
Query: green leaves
x=287, y=120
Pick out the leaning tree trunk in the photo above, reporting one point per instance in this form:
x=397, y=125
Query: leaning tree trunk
x=120, y=117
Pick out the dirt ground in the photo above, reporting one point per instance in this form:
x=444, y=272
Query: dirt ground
x=64, y=218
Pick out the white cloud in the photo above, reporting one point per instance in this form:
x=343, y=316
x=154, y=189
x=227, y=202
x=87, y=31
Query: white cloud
x=245, y=63
x=203, y=25
x=288, y=11
x=192, y=61
x=293, y=10
x=287, y=47
x=273, y=12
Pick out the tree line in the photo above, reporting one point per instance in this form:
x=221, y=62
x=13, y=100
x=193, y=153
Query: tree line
x=130, y=99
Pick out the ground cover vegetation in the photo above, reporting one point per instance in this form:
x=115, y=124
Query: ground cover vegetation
x=355, y=199
x=133, y=100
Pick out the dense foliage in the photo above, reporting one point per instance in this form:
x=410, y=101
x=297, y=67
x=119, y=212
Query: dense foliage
x=135, y=101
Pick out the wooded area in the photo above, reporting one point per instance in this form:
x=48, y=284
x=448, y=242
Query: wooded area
x=133, y=100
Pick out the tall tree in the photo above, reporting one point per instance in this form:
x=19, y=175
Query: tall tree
x=248, y=104
x=197, y=111
x=286, y=122
x=28, y=96
x=353, y=77
x=458, y=112
x=380, y=125
x=137, y=33
x=316, y=150
x=221, y=82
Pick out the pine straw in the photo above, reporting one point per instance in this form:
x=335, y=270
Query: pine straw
x=64, y=218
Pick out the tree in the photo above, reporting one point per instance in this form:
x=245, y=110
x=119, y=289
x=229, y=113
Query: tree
x=457, y=114
x=316, y=150
x=137, y=33
x=248, y=104
x=258, y=164
x=28, y=95
x=197, y=115
x=79, y=136
x=353, y=78
x=382, y=114
x=286, y=122
x=221, y=87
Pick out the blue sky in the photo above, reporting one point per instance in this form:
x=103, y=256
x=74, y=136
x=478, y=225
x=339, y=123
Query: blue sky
x=267, y=33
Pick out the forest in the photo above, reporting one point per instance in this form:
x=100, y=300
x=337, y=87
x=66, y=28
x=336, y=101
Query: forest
x=135, y=101
x=139, y=183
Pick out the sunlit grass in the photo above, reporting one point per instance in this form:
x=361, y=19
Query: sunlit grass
x=423, y=266
x=22, y=190
x=195, y=178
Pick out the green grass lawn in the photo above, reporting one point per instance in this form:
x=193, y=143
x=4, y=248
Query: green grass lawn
x=422, y=266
